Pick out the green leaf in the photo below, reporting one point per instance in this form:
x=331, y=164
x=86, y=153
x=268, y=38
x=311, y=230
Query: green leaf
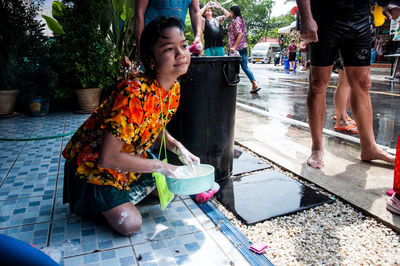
x=57, y=10
x=53, y=25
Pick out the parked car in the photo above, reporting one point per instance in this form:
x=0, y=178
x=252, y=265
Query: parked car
x=264, y=52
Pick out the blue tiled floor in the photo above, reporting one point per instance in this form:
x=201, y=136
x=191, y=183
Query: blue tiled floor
x=31, y=209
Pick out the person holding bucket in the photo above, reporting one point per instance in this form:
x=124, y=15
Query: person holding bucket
x=108, y=164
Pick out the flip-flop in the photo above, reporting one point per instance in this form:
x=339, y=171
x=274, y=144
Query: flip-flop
x=348, y=129
x=348, y=119
x=256, y=90
x=393, y=204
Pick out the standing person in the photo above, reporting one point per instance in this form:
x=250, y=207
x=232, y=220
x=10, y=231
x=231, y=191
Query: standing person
x=304, y=54
x=238, y=42
x=292, y=54
x=341, y=100
x=213, y=43
x=345, y=26
x=147, y=10
x=108, y=164
x=281, y=42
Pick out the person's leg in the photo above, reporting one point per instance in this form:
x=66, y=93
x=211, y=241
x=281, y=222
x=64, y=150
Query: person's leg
x=207, y=52
x=361, y=108
x=342, y=100
x=125, y=219
x=247, y=71
x=316, y=107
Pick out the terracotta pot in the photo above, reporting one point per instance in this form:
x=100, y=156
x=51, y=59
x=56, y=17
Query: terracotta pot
x=88, y=99
x=7, y=101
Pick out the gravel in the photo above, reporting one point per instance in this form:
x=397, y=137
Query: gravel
x=330, y=234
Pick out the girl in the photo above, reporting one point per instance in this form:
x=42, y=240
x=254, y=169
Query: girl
x=108, y=168
x=237, y=42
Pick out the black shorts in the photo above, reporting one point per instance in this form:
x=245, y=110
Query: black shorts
x=292, y=56
x=351, y=36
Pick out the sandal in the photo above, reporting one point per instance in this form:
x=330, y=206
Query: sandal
x=393, y=205
x=350, y=128
x=255, y=90
x=348, y=119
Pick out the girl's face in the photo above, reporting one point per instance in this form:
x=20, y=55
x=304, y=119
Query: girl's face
x=232, y=16
x=172, y=56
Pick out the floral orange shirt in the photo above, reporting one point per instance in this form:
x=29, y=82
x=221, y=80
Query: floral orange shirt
x=133, y=114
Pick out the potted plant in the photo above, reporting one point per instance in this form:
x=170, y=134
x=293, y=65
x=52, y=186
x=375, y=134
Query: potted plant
x=21, y=44
x=85, y=57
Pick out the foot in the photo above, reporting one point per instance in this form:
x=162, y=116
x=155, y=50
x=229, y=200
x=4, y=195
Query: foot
x=393, y=204
x=254, y=90
x=377, y=154
x=316, y=159
x=346, y=128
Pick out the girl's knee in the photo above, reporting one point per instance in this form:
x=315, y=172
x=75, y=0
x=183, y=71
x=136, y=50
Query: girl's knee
x=125, y=219
x=129, y=226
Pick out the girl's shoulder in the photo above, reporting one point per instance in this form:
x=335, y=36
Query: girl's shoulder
x=138, y=86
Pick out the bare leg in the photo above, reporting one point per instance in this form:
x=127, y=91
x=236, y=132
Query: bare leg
x=316, y=107
x=361, y=107
x=342, y=100
x=125, y=219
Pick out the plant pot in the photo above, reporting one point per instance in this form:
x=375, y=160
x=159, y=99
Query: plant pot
x=7, y=101
x=88, y=99
x=39, y=106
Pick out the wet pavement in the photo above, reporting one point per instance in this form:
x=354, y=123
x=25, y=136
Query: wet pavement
x=284, y=94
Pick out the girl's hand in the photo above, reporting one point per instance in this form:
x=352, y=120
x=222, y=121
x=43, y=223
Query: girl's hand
x=175, y=171
x=185, y=156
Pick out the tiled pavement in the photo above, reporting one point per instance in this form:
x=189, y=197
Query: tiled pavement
x=31, y=209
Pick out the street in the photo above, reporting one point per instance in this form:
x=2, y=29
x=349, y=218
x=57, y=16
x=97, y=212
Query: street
x=284, y=94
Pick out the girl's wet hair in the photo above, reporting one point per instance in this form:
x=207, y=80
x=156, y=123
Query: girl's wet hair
x=236, y=11
x=151, y=33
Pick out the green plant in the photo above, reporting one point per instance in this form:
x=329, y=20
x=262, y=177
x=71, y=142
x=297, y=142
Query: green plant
x=83, y=55
x=24, y=49
x=117, y=21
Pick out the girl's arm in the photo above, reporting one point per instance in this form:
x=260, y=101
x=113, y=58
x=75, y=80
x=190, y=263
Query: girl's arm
x=226, y=15
x=112, y=157
x=176, y=147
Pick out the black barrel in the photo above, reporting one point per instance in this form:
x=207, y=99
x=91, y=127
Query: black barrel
x=205, y=120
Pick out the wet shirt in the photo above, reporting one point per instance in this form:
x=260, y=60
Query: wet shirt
x=237, y=26
x=132, y=114
x=292, y=47
x=325, y=9
x=212, y=33
x=345, y=8
x=168, y=8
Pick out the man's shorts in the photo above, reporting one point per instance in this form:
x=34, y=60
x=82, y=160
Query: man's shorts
x=351, y=36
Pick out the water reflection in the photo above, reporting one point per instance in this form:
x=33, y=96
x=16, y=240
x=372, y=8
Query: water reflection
x=285, y=94
x=272, y=194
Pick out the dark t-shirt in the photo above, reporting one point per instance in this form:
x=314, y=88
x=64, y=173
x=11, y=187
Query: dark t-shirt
x=212, y=34
x=325, y=9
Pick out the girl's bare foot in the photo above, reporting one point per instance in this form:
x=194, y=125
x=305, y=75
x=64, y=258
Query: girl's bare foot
x=316, y=159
